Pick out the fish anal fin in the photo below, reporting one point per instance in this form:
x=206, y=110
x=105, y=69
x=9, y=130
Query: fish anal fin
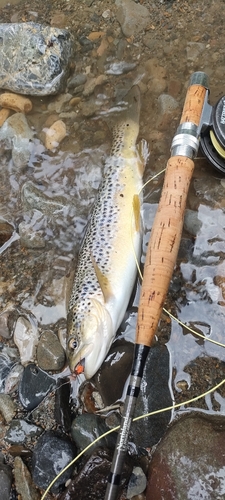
x=137, y=212
x=103, y=281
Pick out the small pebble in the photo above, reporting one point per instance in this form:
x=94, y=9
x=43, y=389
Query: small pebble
x=55, y=134
x=23, y=480
x=7, y=407
x=50, y=354
x=15, y=102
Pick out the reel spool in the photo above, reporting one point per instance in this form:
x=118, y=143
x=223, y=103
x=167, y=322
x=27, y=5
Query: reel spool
x=212, y=130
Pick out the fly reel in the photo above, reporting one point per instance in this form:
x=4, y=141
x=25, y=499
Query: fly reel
x=212, y=133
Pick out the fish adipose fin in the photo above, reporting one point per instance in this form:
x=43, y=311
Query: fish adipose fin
x=104, y=282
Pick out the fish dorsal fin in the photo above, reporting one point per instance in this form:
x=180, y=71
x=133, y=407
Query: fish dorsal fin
x=137, y=212
x=103, y=281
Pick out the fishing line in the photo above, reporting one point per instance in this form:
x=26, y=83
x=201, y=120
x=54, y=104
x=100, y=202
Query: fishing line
x=155, y=412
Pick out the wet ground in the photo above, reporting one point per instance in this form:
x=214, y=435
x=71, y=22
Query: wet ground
x=47, y=201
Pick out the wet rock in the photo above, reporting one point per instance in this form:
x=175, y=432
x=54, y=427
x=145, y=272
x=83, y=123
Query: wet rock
x=13, y=378
x=32, y=197
x=91, y=482
x=15, y=102
x=189, y=461
x=194, y=50
x=119, y=68
x=5, y=479
x=132, y=17
x=85, y=43
x=17, y=134
x=7, y=407
x=156, y=76
x=4, y=114
x=62, y=407
x=137, y=482
x=55, y=134
x=191, y=222
x=19, y=430
x=50, y=354
x=76, y=81
x=154, y=394
x=119, y=361
x=26, y=338
x=34, y=386
x=31, y=231
x=59, y=103
x=6, y=231
x=86, y=428
x=23, y=481
x=88, y=108
x=167, y=111
x=34, y=58
x=5, y=366
x=50, y=456
x=93, y=83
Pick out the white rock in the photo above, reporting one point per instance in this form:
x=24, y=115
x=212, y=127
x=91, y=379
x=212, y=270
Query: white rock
x=26, y=339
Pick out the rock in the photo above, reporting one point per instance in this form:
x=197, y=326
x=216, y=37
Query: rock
x=34, y=58
x=59, y=103
x=16, y=135
x=6, y=365
x=76, y=81
x=167, y=111
x=55, y=134
x=32, y=197
x=92, y=83
x=88, y=108
x=34, y=386
x=132, y=17
x=4, y=114
x=13, y=378
x=4, y=329
x=154, y=394
x=156, y=76
x=91, y=482
x=23, y=481
x=50, y=354
x=137, y=482
x=62, y=408
x=32, y=234
x=194, y=50
x=86, y=428
x=19, y=430
x=189, y=461
x=7, y=407
x=85, y=43
x=15, y=102
x=191, y=222
x=51, y=454
x=119, y=68
x=26, y=338
x=119, y=361
x=5, y=480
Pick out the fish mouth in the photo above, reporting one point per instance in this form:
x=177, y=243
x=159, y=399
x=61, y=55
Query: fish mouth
x=79, y=368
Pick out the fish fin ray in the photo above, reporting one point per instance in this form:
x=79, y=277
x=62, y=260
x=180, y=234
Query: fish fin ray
x=102, y=280
x=143, y=155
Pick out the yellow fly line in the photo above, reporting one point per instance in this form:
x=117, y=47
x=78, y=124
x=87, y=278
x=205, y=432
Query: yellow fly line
x=168, y=408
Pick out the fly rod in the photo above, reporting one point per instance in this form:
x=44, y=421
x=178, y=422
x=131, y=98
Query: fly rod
x=161, y=256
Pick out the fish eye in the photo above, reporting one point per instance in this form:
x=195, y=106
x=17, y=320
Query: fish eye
x=73, y=344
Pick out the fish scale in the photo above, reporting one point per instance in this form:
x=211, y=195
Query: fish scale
x=106, y=267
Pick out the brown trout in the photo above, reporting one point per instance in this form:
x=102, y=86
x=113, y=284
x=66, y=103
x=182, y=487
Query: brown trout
x=106, y=268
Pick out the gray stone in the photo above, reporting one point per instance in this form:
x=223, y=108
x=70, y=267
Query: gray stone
x=34, y=58
x=86, y=428
x=167, y=111
x=189, y=461
x=194, y=50
x=59, y=103
x=5, y=481
x=17, y=135
x=76, y=81
x=137, y=482
x=7, y=407
x=50, y=354
x=26, y=338
x=132, y=17
x=191, y=222
x=19, y=430
x=23, y=481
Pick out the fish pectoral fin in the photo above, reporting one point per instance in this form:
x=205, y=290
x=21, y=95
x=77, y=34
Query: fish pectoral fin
x=137, y=212
x=143, y=155
x=103, y=281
